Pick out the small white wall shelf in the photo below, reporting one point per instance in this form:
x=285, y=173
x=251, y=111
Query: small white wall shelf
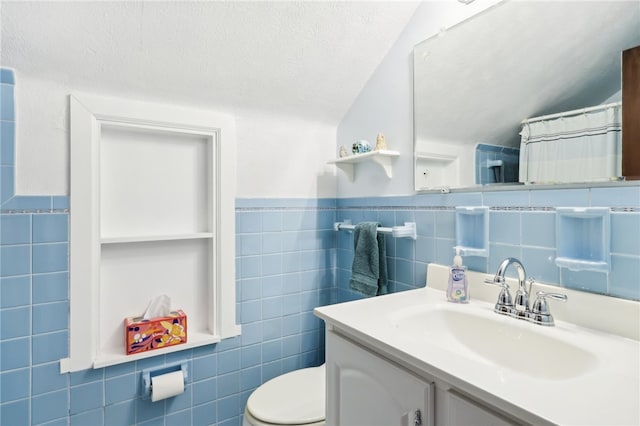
x=151, y=213
x=472, y=231
x=383, y=158
x=583, y=239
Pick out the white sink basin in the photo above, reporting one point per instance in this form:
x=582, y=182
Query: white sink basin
x=502, y=341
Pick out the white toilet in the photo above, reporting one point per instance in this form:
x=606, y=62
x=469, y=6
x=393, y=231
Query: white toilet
x=295, y=398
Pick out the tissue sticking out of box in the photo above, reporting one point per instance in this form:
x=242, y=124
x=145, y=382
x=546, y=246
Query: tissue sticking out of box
x=159, y=306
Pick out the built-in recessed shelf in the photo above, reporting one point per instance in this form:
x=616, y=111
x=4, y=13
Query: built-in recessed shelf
x=151, y=238
x=196, y=339
x=383, y=158
x=583, y=239
x=472, y=231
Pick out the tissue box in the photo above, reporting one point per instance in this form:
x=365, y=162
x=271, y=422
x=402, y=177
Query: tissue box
x=145, y=335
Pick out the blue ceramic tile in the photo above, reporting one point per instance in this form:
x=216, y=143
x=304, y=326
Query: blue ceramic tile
x=560, y=198
x=121, y=388
x=14, y=385
x=504, y=227
x=15, y=322
x=7, y=76
x=445, y=224
x=538, y=229
x=248, y=222
x=250, y=244
x=250, y=378
x=15, y=413
x=15, y=353
x=271, y=308
x=271, y=370
x=15, y=291
x=251, y=333
x=6, y=186
x=271, y=243
x=49, y=406
x=50, y=287
x=271, y=351
x=623, y=280
x=7, y=112
x=60, y=202
x=49, y=228
x=291, y=304
x=47, y=378
x=499, y=252
x=505, y=199
x=50, y=317
x=180, y=402
x=228, y=384
x=425, y=223
x=120, y=414
x=147, y=410
x=88, y=418
x=250, y=355
x=250, y=289
x=15, y=229
x=291, y=345
x=228, y=361
x=50, y=347
x=86, y=397
x=250, y=311
x=290, y=262
x=271, y=286
x=404, y=271
x=271, y=221
x=271, y=264
x=539, y=264
x=228, y=408
x=50, y=257
x=271, y=329
x=310, y=341
x=204, y=390
x=180, y=418
x=205, y=414
x=86, y=376
x=425, y=249
x=625, y=233
x=28, y=202
x=15, y=260
x=616, y=197
x=593, y=282
x=7, y=143
x=250, y=267
x=119, y=370
x=205, y=367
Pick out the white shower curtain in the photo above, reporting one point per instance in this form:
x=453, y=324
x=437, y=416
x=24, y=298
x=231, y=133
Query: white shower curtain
x=577, y=146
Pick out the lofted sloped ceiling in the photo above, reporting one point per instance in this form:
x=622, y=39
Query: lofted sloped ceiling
x=303, y=58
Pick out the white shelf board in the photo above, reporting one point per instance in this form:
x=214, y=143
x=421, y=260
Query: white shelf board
x=194, y=340
x=151, y=238
x=382, y=157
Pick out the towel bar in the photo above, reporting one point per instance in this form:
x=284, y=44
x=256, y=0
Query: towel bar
x=406, y=231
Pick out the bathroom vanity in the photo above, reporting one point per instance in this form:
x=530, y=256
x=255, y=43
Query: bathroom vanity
x=411, y=358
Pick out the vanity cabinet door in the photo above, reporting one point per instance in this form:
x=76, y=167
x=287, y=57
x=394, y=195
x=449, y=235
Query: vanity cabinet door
x=364, y=389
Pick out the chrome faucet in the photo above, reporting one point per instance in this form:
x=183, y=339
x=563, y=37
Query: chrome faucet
x=520, y=307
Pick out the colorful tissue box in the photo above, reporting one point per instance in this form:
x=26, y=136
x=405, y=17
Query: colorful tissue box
x=145, y=335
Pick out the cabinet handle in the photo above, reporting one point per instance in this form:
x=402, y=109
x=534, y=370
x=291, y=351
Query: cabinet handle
x=417, y=418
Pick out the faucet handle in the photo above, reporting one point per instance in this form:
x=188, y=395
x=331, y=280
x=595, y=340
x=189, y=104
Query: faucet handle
x=504, y=305
x=540, y=313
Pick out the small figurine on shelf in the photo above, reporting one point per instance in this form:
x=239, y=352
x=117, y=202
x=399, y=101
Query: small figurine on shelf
x=343, y=151
x=360, y=147
x=381, y=144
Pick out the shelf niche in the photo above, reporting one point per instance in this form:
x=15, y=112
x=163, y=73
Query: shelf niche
x=149, y=215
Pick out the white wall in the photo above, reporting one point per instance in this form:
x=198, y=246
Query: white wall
x=278, y=156
x=386, y=103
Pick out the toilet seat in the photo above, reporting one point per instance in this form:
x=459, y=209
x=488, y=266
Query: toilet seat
x=295, y=398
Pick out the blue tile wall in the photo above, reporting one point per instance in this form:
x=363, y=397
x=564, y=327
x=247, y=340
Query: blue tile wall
x=522, y=225
x=508, y=172
x=289, y=260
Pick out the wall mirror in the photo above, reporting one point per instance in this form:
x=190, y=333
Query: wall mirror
x=476, y=82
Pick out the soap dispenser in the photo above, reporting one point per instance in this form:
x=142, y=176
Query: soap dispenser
x=458, y=288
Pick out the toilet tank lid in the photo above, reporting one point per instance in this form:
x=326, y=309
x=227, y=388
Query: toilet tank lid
x=294, y=398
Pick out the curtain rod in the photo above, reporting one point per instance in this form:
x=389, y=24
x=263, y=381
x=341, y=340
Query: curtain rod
x=569, y=113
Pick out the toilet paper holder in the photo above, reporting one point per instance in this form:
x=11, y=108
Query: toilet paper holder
x=148, y=373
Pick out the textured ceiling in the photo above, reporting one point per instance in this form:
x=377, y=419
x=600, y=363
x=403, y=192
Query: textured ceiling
x=304, y=58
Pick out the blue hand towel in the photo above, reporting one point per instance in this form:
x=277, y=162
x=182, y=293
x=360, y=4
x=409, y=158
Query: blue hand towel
x=369, y=270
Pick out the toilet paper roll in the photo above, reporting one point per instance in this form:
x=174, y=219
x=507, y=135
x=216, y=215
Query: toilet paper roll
x=167, y=385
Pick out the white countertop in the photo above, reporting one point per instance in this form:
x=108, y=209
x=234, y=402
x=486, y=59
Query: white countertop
x=606, y=393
